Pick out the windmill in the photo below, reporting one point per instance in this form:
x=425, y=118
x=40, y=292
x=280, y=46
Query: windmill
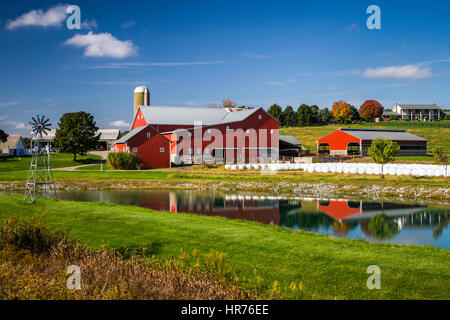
x=40, y=173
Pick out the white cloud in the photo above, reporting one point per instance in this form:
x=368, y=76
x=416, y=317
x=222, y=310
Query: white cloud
x=3, y=117
x=119, y=123
x=256, y=56
x=9, y=104
x=353, y=26
x=279, y=83
x=123, y=65
x=53, y=17
x=89, y=24
x=128, y=24
x=102, y=45
x=399, y=72
x=17, y=125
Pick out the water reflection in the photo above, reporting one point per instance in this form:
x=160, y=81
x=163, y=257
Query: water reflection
x=374, y=221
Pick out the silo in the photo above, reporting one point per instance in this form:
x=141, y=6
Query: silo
x=141, y=97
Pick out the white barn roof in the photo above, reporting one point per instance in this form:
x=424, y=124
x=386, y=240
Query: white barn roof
x=187, y=116
x=108, y=134
x=370, y=134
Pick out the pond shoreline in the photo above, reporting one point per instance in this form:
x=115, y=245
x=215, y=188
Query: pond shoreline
x=317, y=190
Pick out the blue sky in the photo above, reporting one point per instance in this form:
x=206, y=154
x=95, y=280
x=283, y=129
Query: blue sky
x=193, y=53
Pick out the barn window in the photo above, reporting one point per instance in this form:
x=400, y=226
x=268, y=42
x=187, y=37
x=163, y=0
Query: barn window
x=149, y=135
x=271, y=131
x=190, y=151
x=135, y=149
x=324, y=148
x=209, y=130
x=206, y=151
x=259, y=117
x=161, y=149
x=199, y=151
x=353, y=148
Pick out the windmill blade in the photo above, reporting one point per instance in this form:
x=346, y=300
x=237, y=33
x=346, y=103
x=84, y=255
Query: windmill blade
x=34, y=120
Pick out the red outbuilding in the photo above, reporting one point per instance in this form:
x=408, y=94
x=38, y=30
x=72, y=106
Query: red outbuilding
x=149, y=144
x=352, y=141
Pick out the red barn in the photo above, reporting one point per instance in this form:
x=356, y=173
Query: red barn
x=199, y=135
x=349, y=141
x=149, y=144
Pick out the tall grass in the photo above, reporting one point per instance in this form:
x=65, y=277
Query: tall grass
x=34, y=260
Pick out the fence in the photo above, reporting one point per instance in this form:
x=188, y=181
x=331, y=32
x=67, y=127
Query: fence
x=412, y=124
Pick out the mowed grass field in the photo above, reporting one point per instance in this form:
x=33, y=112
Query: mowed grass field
x=58, y=160
x=262, y=256
x=308, y=136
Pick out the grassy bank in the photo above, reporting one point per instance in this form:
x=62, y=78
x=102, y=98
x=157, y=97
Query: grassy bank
x=204, y=175
x=34, y=261
x=308, y=136
x=58, y=160
x=271, y=258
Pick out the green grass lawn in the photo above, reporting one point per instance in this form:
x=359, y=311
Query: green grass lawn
x=308, y=136
x=58, y=160
x=261, y=254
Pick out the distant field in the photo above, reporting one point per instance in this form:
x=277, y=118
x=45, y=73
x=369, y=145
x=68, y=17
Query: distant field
x=58, y=160
x=308, y=136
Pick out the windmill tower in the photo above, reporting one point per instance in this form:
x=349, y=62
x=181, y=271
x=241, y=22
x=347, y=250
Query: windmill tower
x=40, y=173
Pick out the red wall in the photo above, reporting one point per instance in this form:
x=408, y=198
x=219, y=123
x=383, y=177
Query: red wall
x=338, y=140
x=252, y=122
x=149, y=149
x=139, y=120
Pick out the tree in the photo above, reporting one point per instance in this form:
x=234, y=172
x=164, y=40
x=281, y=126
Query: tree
x=342, y=112
x=76, y=133
x=288, y=117
x=227, y=103
x=26, y=142
x=304, y=115
x=275, y=111
x=370, y=110
x=325, y=115
x=3, y=136
x=315, y=114
x=383, y=151
x=441, y=157
x=122, y=133
x=355, y=114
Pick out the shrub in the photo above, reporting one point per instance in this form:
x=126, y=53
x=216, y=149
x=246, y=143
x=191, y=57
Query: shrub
x=29, y=234
x=124, y=161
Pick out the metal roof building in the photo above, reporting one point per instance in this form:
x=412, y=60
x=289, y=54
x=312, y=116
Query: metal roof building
x=353, y=141
x=13, y=146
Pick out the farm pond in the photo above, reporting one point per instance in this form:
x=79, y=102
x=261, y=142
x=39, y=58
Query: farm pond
x=400, y=223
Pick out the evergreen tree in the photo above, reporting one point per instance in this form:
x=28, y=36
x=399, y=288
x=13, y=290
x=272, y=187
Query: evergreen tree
x=325, y=116
x=288, y=117
x=275, y=111
x=304, y=115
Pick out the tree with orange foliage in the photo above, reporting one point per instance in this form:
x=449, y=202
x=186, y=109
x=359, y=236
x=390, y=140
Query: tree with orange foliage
x=370, y=110
x=227, y=103
x=342, y=112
